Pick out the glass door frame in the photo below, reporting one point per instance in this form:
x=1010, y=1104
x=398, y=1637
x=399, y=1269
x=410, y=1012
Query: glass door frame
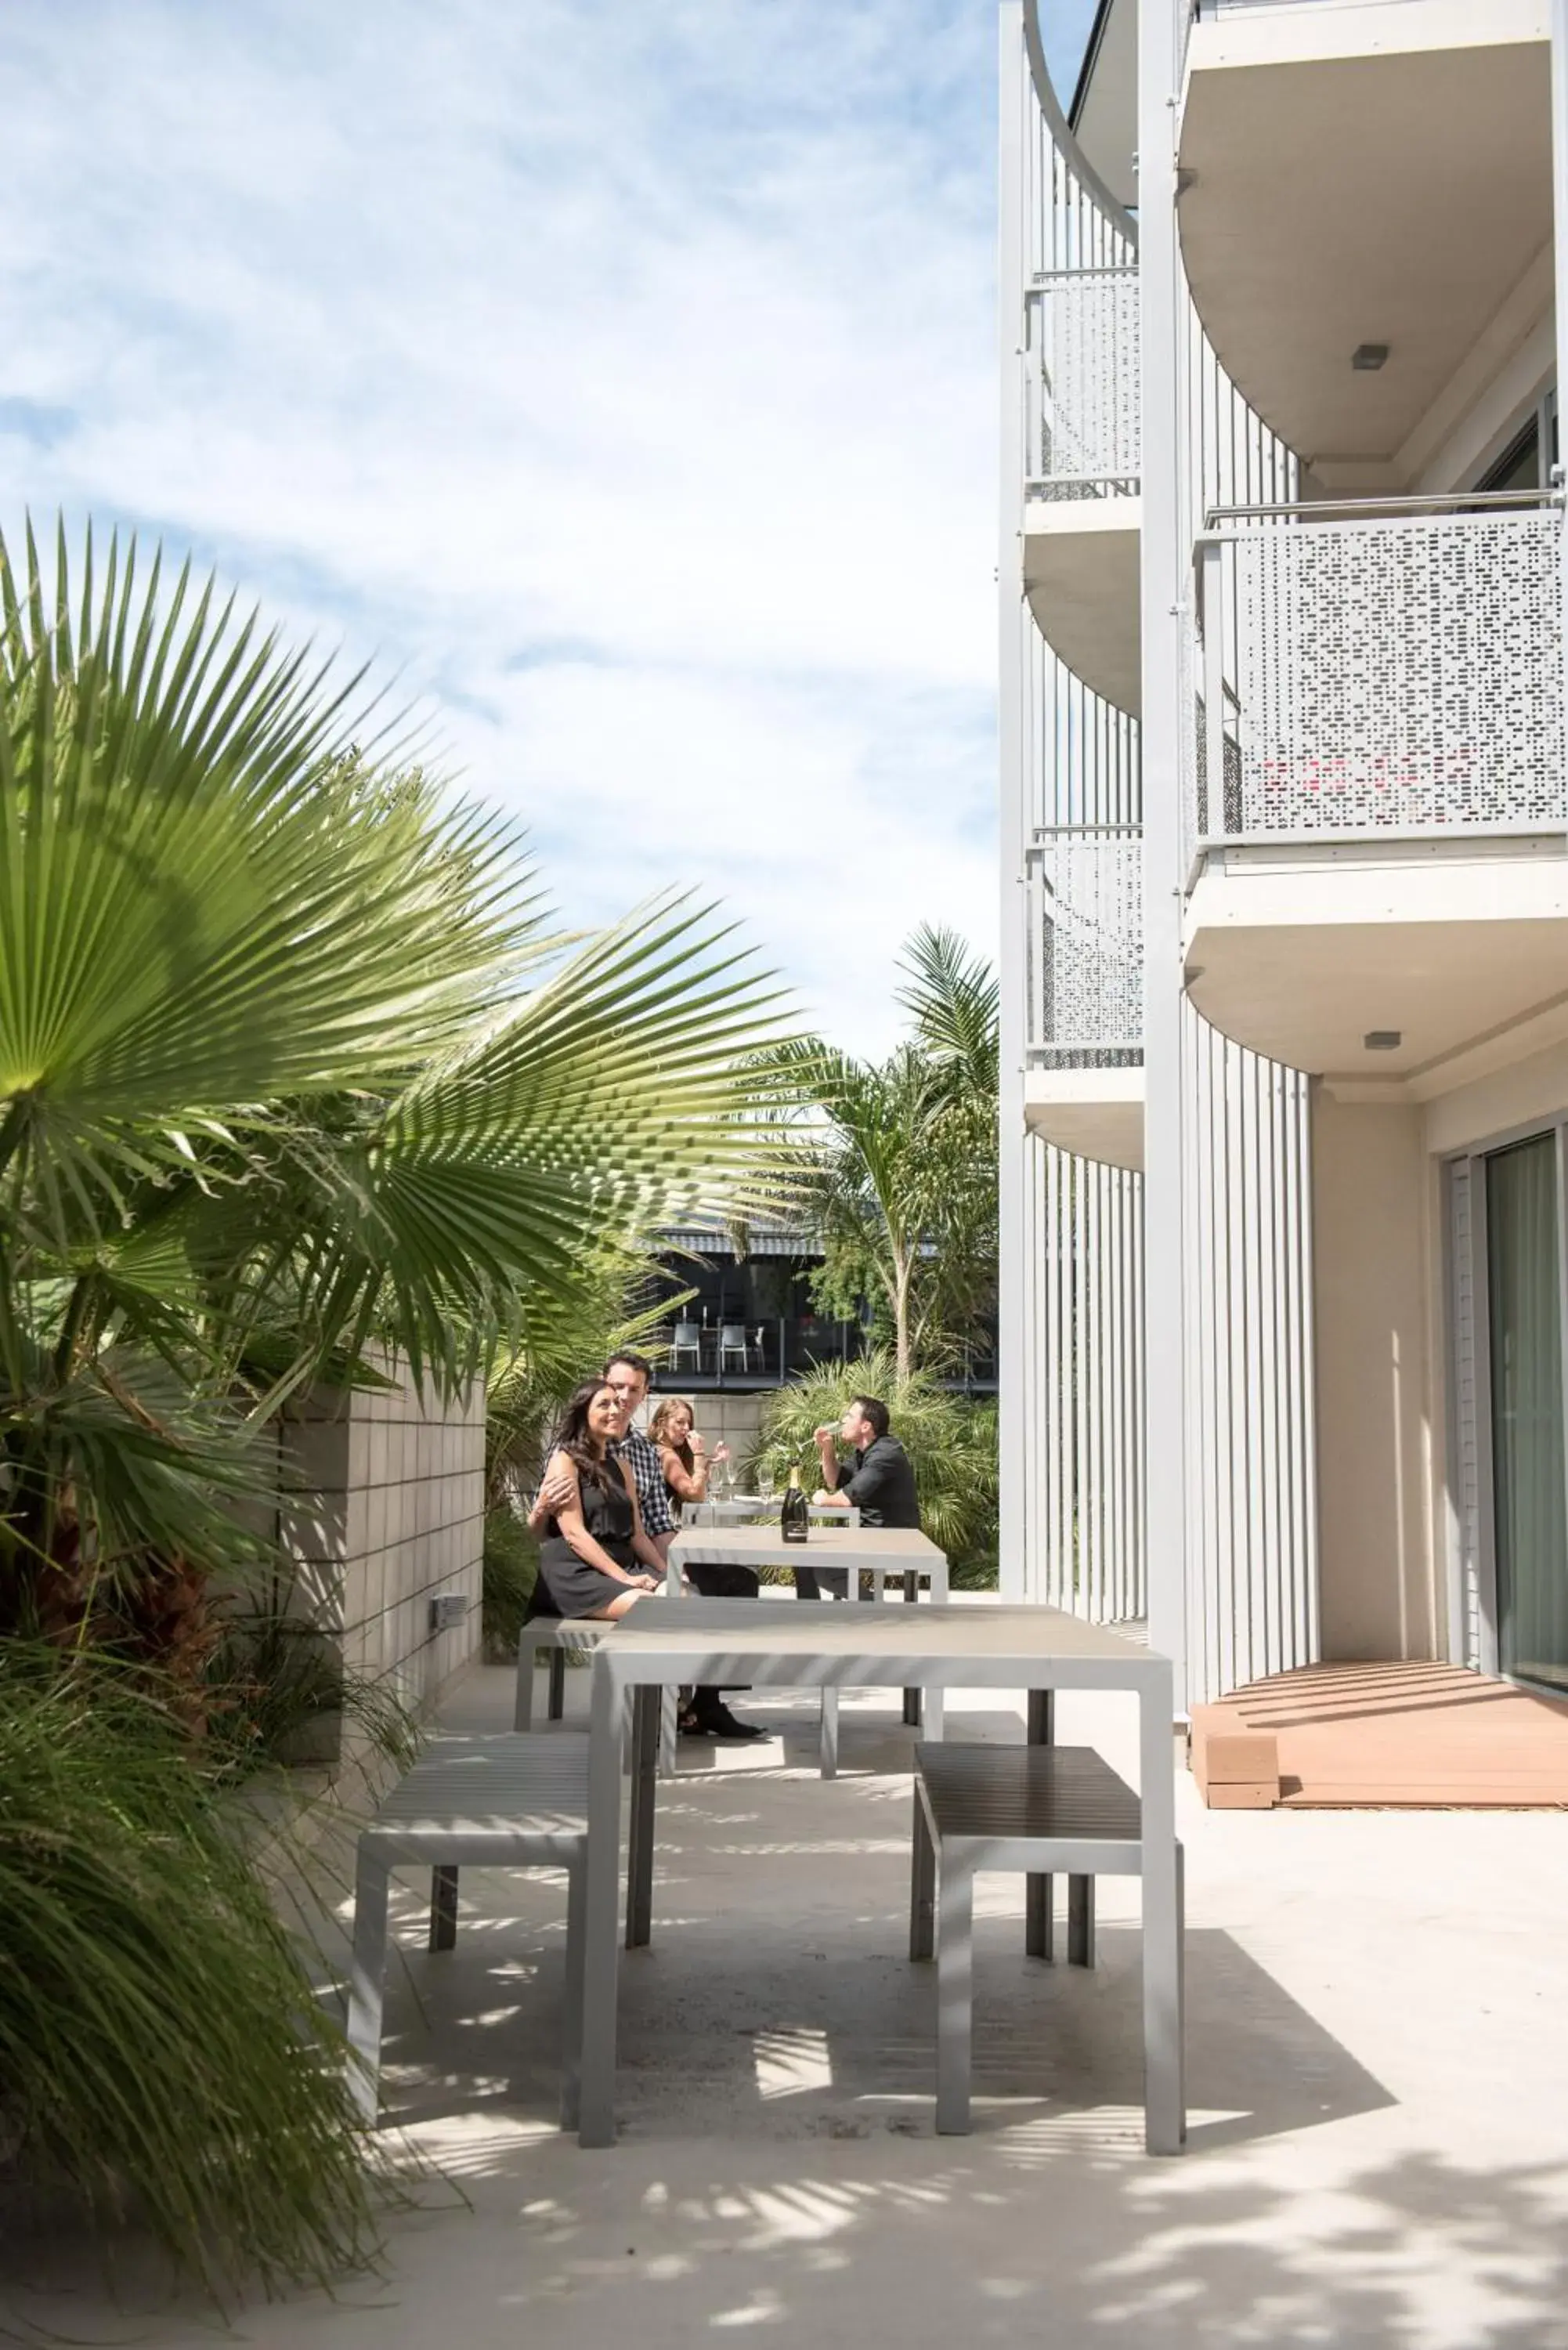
x=1484, y=1652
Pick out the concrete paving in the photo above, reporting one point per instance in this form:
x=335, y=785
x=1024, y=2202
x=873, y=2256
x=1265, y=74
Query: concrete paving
x=1378, y=2086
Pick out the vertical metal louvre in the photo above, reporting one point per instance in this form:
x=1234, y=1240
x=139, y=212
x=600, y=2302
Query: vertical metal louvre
x=1252, y=1518
x=1251, y=1571
x=1085, y=1462
x=1082, y=1263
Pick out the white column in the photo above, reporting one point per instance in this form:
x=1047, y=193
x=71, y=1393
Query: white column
x=1165, y=588
x=1560, y=190
x=1018, y=1372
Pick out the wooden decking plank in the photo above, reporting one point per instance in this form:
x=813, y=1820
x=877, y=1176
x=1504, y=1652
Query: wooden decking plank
x=1399, y=1735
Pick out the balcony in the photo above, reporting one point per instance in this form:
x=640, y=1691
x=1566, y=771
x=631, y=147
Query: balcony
x=1082, y=510
x=1084, y=1039
x=1379, y=884
x=1367, y=174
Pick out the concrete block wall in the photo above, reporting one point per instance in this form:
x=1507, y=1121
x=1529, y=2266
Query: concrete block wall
x=389, y=1515
x=724, y=1417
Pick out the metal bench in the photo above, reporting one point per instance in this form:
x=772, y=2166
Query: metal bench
x=557, y=1637
x=504, y=1802
x=1032, y=1809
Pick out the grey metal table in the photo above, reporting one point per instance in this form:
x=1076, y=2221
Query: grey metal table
x=863, y=1551
x=746, y=1509
x=867, y=1555
x=1039, y=1649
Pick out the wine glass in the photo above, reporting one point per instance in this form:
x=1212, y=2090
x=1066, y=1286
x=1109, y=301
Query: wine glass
x=764, y=1481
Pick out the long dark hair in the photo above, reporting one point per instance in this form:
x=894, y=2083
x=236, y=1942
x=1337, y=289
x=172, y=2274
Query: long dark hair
x=573, y=1439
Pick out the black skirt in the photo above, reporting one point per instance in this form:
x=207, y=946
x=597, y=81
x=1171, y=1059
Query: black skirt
x=574, y=1585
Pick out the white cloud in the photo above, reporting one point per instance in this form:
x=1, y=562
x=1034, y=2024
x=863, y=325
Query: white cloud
x=624, y=378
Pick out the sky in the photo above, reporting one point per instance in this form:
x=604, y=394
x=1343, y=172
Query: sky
x=619, y=382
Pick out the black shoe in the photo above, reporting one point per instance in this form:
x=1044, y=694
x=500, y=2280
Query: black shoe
x=718, y=1722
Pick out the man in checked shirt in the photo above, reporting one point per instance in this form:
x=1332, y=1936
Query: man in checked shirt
x=626, y=1375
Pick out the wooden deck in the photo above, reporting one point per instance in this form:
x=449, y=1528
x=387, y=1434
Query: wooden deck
x=1382, y=1734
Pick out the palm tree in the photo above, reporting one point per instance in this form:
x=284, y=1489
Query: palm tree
x=902, y=1174
x=291, y=1061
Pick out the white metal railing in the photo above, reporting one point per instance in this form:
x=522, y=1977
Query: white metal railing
x=1084, y=413
x=1086, y=944
x=1208, y=8
x=1080, y=327
x=1378, y=669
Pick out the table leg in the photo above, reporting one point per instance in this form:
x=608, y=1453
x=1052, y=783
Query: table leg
x=955, y=1996
x=596, y=2122
x=911, y=1696
x=443, y=1908
x=527, y=1660
x=1164, y=2112
x=367, y=1975
x=935, y=1706
x=648, y=1705
x=1080, y=1921
x=827, y=1736
x=1039, y=1910
x=572, y=2003
x=922, y=1885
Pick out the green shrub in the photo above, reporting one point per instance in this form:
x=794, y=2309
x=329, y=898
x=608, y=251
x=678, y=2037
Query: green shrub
x=277, y=1691
x=950, y=1442
x=511, y=1570
x=162, y=2053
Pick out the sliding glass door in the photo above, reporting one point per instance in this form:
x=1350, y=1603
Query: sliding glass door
x=1529, y=1491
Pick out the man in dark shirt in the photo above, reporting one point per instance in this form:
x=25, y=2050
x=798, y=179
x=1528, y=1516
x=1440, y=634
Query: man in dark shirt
x=881, y=1485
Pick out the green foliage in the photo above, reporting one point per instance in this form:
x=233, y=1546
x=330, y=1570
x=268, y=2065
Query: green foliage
x=511, y=1570
x=559, y=1343
x=901, y=1178
x=161, y=2051
x=290, y=1063
x=952, y=1445
x=293, y=1070
x=276, y=1691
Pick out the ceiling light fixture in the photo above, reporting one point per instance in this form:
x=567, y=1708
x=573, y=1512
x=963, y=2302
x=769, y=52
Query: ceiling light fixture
x=1367, y=358
x=1384, y=1040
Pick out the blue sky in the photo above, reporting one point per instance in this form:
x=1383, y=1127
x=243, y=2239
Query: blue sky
x=621, y=380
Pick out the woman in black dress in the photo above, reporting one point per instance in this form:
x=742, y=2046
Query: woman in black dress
x=593, y=1557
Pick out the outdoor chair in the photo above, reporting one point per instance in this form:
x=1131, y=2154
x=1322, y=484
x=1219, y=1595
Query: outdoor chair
x=732, y=1346
x=686, y=1346
x=503, y=1801
x=1029, y=1809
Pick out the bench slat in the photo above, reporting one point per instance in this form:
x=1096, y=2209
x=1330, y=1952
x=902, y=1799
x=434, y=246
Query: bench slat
x=1054, y=1793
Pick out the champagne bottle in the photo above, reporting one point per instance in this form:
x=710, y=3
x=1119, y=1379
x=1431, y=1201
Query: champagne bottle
x=795, y=1518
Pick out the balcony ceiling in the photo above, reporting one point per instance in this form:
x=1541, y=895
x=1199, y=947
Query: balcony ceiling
x=1081, y=577
x=1397, y=196
x=1094, y=1113
x=1302, y=959
x=1103, y=113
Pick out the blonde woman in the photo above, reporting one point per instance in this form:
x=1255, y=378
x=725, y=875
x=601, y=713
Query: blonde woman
x=683, y=1454
x=685, y=1460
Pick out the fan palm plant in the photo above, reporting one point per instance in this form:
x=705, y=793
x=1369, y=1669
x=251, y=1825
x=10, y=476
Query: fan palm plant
x=288, y=1062
x=292, y=1065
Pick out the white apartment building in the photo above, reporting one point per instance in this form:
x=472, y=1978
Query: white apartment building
x=1285, y=831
